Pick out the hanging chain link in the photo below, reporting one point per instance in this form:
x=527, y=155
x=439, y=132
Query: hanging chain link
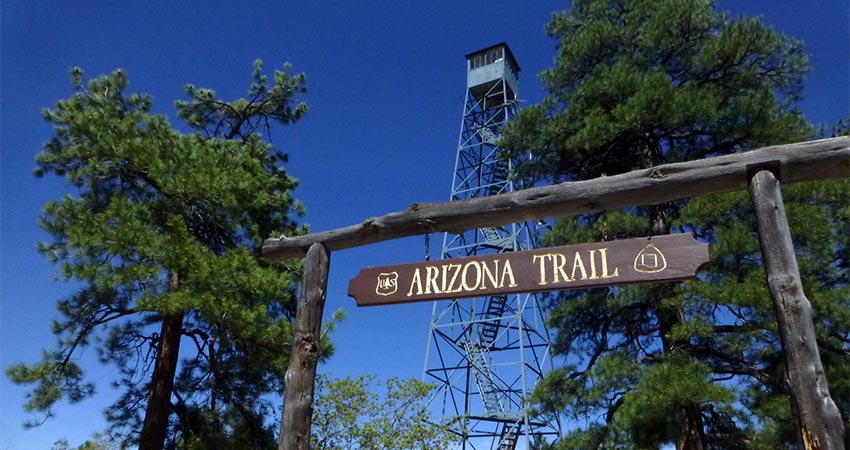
x=604, y=227
x=427, y=246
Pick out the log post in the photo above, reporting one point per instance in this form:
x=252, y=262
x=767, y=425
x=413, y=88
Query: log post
x=818, y=419
x=306, y=348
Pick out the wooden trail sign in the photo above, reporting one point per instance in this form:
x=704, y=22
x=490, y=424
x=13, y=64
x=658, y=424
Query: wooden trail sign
x=659, y=258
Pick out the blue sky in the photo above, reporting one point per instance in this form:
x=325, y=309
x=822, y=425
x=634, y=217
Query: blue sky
x=386, y=82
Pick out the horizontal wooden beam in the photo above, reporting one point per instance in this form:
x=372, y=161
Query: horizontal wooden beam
x=806, y=161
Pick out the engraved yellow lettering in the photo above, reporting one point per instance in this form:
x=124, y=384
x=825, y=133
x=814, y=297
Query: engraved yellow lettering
x=592, y=265
x=466, y=286
x=417, y=281
x=507, y=271
x=489, y=275
x=454, y=287
x=431, y=275
x=444, y=277
x=604, y=256
x=558, y=263
x=579, y=264
x=540, y=258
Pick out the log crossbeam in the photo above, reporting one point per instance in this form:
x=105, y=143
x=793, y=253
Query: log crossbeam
x=806, y=161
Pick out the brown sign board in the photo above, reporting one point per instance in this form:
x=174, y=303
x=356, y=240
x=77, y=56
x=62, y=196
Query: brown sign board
x=659, y=258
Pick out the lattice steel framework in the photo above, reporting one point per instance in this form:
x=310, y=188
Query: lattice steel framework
x=486, y=354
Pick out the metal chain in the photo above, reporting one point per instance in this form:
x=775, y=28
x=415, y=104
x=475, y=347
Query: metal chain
x=604, y=227
x=427, y=246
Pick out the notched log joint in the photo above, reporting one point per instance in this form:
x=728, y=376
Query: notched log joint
x=774, y=167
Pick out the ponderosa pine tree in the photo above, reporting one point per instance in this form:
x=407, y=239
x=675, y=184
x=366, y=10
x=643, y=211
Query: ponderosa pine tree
x=637, y=83
x=162, y=232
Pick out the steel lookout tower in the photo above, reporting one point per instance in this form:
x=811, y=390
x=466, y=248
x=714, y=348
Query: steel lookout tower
x=486, y=354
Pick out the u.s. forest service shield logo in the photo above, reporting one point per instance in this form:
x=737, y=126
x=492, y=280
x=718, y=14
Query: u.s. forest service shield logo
x=387, y=283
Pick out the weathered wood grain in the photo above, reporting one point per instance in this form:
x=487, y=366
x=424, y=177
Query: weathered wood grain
x=301, y=373
x=820, y=425
x=815, y=160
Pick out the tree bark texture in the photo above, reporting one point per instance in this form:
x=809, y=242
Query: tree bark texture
x=816, y=160
x=691, y=435
x=688, y=414
x=819, y=421
x=155, y=426
x=301, y=373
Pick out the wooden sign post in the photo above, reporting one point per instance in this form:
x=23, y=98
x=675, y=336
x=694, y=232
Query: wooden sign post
x=306, y=348
x=658, y=258
x=817, y=416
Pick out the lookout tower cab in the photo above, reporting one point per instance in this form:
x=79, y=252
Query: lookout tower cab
x=492, y=76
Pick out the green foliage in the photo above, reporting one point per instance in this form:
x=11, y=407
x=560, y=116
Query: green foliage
x=203, y=430
x=160, y=223
x=361, y=414
x=637, y=83
x=242, y=117
x=98, y=442
x=640, y=82
x=54, y=382
x=664, y=388
x=841, y=128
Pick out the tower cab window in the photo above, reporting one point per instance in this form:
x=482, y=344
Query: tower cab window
x=492, y=56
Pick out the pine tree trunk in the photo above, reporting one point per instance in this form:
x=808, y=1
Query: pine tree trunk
x=691, y=432
x=691, y=429
x=817, y=417
x=155, y=425
x=692, y=435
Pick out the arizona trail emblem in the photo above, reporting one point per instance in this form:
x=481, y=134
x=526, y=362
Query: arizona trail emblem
x=650, y=260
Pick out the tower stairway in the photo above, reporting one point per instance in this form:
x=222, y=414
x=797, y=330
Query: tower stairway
x=484, y=378
x=508, y=438
x=498, y=179
x=489, y=328
x=497, y=184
